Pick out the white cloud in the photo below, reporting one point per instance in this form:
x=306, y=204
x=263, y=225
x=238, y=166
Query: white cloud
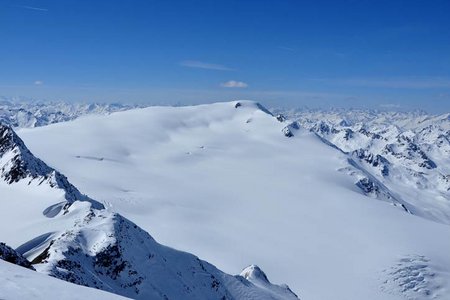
x=286, y=48
x=234, y=84
x=203, y=65
x=33, y=8
x=38, y=82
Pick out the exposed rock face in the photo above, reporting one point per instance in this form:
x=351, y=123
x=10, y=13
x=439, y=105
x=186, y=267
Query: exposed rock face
x=10, y=255
x=289, y=130
x=376, y=161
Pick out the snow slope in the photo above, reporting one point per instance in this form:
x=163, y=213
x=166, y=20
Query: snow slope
x=225, y=182
x=18, y=283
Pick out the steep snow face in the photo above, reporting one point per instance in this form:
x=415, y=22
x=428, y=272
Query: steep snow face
x=20, y=283
x=230, y=184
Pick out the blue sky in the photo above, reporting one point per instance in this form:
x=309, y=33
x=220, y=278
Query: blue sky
x=378, y=54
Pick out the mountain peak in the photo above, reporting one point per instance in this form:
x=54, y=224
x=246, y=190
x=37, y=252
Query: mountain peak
x=251, y=104
x=253, y=272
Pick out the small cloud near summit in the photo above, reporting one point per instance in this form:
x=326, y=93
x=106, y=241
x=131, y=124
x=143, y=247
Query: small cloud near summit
x=38, y=82
x=234, y=84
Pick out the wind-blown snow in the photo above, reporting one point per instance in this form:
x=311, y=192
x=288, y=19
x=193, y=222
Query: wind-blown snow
x=226, y=183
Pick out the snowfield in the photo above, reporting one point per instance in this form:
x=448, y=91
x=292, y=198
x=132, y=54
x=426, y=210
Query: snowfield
x=235, y=185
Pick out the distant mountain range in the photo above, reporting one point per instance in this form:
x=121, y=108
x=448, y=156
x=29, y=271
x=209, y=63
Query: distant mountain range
x=21, y=112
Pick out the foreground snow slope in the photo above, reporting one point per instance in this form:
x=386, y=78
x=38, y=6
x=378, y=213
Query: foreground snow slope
x=224, y=182
x=18, y=283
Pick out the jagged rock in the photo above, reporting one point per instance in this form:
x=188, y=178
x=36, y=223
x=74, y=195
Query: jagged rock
x=10, y=255
x=289, y=129
x=376, y=161
x=280, y=118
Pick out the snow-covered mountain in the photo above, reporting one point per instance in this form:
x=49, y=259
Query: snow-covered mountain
x=70, y=236
x=16, y=282
x=18, y=112
x=408, y=154
x=234, y=184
